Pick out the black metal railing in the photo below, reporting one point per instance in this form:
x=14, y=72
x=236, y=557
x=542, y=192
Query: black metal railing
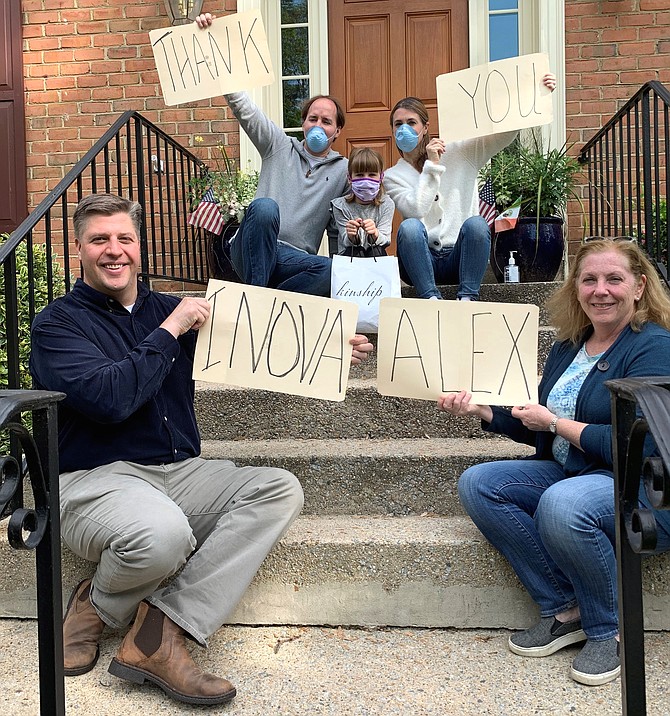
x=629, y=182
x=37, y=527
x=640, y=407
x=134, y=159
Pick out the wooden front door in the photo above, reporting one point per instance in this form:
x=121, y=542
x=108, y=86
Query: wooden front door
x=13, y=197
x=383, y=50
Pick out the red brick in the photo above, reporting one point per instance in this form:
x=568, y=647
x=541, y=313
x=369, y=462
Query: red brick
x=600, y=50
x=75, y=41
x=37, y=44
x=60, y=82
x=110, y=39
x=637, y=78
x=654, y=5
x=88, y=54
x=637, y=48
x=92, y=81
x=119, y=53
x=636, y=18
x=620, y=35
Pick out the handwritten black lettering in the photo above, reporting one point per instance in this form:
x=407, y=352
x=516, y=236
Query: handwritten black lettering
x=405, y=317
x=285, y=308
x=487, y=96
x=472, y=99
x=212, y=299
x=198, y=51
x=475, y=352
x=216, y=50
x=515, y=349
x=247, y=41
x=518, y=94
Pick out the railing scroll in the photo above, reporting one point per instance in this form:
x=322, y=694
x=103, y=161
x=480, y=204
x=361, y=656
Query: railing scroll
x=38, y=527
x=640, y=408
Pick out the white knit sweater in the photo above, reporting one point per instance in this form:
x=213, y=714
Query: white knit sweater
x=444, y=195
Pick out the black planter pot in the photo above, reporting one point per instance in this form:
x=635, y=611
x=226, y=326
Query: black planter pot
x=538, y=258
x=217, y=258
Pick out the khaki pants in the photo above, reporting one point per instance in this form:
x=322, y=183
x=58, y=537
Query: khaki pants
x=141, y=524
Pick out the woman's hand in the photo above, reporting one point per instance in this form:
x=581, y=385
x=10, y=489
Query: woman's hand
x=435, y=149
x=459, y=404
x=549, y=81
x=533, y=416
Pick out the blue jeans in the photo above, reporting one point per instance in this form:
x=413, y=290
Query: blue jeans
x=463, y=263
x=260, y=260
x=557, y=532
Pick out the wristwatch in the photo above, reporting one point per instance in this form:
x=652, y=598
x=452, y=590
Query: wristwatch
x=552, y=424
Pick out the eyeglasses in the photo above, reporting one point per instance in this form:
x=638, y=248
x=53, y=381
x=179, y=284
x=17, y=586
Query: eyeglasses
x=587, y=239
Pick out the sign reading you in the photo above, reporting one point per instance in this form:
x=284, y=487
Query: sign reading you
x=276, y=340
x=228, y=56
x=426, y=348
x=496, y=97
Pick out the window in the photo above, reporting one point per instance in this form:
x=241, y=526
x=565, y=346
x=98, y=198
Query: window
x=294, y=45
x=503, y=29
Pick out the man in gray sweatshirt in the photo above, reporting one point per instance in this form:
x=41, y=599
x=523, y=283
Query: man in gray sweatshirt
x=278, y=240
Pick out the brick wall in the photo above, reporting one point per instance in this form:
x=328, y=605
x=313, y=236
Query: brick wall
x=612, y=49
x=86, y=62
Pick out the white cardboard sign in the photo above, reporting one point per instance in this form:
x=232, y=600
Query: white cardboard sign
x=228, y=56
x=427, y=348
x=276, y=340
x=495, y=97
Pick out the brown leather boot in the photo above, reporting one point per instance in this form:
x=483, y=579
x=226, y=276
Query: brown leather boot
x=82, y=628
x=154, y=650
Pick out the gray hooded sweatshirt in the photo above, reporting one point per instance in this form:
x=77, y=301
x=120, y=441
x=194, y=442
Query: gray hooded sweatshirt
x=302, y=193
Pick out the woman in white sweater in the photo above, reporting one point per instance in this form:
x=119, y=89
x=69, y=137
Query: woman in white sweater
x=443, y=239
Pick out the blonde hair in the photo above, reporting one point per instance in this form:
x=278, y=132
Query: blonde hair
x=566, y=313
x=364, y=159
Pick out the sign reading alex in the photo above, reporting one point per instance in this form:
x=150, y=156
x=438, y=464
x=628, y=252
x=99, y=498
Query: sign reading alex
x=426, y=348
x=230, y=55
x=496, y=97
x=276, y=340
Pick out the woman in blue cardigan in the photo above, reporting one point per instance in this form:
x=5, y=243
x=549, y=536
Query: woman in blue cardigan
x=552, y=516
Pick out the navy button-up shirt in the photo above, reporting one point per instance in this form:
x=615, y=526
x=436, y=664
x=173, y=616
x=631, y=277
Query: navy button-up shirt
x=128, y=382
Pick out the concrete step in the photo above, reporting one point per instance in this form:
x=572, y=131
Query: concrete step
x=367, y=571
x=317, y=671
x=230, y=413
x=373, y=477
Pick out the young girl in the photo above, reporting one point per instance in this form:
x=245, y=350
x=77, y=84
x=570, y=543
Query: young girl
x=364, y=217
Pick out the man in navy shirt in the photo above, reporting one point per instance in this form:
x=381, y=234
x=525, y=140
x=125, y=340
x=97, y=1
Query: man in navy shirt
x=136, y=497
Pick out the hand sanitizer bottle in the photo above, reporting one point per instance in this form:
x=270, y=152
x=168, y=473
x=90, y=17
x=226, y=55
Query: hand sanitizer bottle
x=511, y=270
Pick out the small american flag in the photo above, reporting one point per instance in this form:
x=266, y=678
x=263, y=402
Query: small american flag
x=207, y=214
x=487, y=202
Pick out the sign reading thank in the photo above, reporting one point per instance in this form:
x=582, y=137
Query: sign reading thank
x=496, y=97
x=276, y=340
x=426, y=348
x=228, y=56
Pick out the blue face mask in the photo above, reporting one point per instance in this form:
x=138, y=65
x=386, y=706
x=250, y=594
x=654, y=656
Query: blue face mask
x=317, y=140
x=406, y=138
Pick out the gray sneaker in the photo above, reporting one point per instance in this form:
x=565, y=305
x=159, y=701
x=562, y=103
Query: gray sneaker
x=597, y=663
x=546, y=637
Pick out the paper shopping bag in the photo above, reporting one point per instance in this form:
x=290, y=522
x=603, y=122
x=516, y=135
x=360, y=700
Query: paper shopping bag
x=365, y=281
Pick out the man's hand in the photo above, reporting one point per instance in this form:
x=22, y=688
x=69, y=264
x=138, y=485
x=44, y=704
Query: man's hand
x=190, y=313
x=205, y=20
x=459, y=404
x=361, y=349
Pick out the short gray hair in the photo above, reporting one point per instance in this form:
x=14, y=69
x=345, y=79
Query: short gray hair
x=105, y=205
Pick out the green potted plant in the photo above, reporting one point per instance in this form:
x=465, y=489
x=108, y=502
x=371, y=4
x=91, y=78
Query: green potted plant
x=541, y=182
x=232, y=190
